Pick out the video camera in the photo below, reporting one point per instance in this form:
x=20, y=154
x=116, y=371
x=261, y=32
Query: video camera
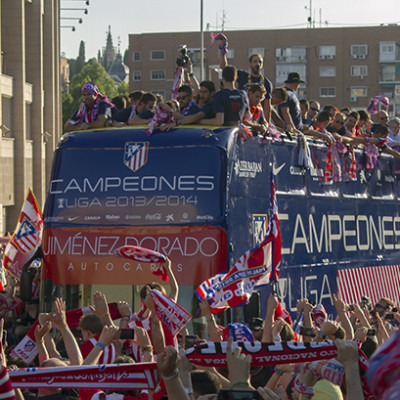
x=183, y=56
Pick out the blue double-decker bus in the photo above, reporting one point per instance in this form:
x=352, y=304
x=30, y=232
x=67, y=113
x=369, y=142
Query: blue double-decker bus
x=200, y=197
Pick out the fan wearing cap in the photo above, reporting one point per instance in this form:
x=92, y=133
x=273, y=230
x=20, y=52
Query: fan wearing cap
x=290, y=111
x=94, y=111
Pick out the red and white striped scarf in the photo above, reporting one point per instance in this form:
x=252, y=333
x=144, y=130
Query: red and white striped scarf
x=133, y=113
x=115, y=376
x=160, y=118
x=177, y=82
x=173, y=318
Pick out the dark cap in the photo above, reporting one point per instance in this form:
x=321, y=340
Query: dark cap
x=294, y=77
x=256, y=324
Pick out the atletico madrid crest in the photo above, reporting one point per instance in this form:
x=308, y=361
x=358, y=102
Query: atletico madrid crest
x=26, y=238
x=135, y=155
x=260, y=227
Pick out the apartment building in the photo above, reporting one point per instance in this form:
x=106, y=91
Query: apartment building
x=30, y=103
x=341, y=66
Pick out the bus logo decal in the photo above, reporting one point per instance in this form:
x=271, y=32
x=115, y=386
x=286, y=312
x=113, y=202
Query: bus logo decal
x=260, y=223
x=135, y=155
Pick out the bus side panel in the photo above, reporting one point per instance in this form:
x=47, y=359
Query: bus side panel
x=86, y=255
x=322, y=231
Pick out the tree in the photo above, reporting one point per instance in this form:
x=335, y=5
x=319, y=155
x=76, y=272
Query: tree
x=76, y=64
x=93, y=72
x=126, y=57
x=123, y=88
x=80, y=61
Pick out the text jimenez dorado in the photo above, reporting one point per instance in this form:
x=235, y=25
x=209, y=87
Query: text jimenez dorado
x=133, y=184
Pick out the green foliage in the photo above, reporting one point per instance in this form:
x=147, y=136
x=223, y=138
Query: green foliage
x=68, y=107
x=126, y=57
x=123, y=88
x=94, y=72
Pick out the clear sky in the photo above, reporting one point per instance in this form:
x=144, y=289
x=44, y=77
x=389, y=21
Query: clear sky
x=140, y=16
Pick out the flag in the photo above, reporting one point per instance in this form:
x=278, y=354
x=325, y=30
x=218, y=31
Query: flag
x=170, y=313
x=27, y=236
x=276, y=243
x=251, y=270
x=244, y=133
x=375, y=101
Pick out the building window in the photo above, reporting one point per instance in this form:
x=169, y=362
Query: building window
x=6, y=109
x=387, y=47
x=327, y=52
x=137, y=76
x=260, y=50
x=327, y=71
x=387, y=51
x=388, y=73
x=157, y=55
x=159, y=92
x=157, y=75
x=358, y=91
x=327, y=92
x=283, y=70
x=359, y=51
x=136, y=56
x=359, y=70
x=291, y=54
x=29, y=121
x=230, y=54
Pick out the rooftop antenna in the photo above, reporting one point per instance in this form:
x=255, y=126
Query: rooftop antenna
x=310, y=18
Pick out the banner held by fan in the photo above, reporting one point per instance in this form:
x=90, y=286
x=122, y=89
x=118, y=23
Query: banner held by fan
x=148, y=256
x=27, y=236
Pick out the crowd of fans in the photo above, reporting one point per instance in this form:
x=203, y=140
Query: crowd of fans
x=244, y=97
x=360, y=328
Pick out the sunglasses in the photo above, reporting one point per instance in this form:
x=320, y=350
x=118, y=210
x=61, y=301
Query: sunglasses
x=339, y=122
x=314, y=109
x=179, y=98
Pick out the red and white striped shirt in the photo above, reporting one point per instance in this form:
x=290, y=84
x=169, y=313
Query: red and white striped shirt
x=108, y=355
x=6, y=389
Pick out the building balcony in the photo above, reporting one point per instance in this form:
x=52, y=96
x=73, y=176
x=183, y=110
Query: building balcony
x=291, y=59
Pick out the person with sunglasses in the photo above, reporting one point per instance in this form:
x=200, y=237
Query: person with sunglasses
x=382, y=118
x=315, y=107
x=337, y=125
x=383, y=306
x=187, y=105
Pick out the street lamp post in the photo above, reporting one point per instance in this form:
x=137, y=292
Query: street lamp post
x=85, y=10
x=68, y=26
x=201, y=42
x=73, y=18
